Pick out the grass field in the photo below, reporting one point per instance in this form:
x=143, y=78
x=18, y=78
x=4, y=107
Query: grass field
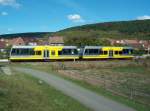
x=19, y=92
x=124, y=81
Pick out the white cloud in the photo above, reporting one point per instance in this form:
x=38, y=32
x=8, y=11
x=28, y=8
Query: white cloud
x=9, y=29
x=145, y=17
x=75, y=18
x=4, y=13
x=12, y=3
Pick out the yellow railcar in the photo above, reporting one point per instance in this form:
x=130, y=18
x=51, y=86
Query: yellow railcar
x=40, y=53
x=98, y=52
x=44, y=53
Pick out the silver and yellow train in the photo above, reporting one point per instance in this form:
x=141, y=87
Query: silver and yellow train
x=45, y=53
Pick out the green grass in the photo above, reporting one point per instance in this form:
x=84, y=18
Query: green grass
x=132, y=69
x=124, y=70
x=102, y=91
x=20, y=92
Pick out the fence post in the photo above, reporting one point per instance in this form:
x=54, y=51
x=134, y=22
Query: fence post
x=103, y=77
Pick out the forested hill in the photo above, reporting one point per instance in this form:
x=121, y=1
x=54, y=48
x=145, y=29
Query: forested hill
x=31, y=35
x=139, y=29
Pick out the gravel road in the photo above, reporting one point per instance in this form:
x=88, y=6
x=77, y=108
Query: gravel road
x=6, y=70
x=86, y=97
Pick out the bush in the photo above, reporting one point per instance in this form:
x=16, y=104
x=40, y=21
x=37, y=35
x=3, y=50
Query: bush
x=139, y=52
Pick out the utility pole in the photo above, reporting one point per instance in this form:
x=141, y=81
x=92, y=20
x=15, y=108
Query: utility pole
x=148, y=50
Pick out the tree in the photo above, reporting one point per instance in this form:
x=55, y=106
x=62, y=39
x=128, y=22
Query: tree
x=85, y=39
x=7, y=50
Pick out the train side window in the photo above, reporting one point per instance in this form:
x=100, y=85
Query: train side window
x=116, y=52
x=105, y=52
x=75, y=51
x=120, y=52
x=27, y=52
x=24, y=52
x=66, y=51
x=125, y=51
x=60, y=53
x=95, y=51
x=31, y=52
x=52, y=52
x=72, y=52
x=100, y=52
x=92, y=52
x=38, y=53
x=17, y=52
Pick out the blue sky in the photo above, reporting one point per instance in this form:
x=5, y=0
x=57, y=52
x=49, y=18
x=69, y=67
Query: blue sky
x=52, y=15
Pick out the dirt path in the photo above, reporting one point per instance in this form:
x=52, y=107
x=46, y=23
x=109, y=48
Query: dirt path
x=6, y=70
x=86, y=97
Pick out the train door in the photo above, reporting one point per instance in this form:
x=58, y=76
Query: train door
x=46, y=54
x=111, y=53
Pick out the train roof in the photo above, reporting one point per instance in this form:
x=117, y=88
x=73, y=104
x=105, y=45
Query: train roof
x=73, y=47
x=26, y=46
x=70, y=46
x=92, y=47
x=23, y=46
x=97, y=47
